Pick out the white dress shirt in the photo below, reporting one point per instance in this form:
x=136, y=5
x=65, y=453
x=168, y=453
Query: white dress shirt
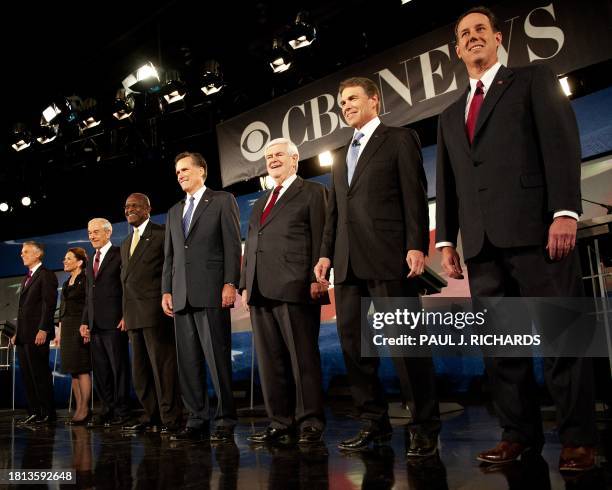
x=103, y=251
x=285, y=185
x=197, y=195
x=367, y=130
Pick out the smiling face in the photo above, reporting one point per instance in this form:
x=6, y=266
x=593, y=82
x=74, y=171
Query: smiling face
x=477, y=42
x=190, y=177
x=279, y=163
x=357, y=108
x=71, y=263
x=98, y=235
x=137, y=209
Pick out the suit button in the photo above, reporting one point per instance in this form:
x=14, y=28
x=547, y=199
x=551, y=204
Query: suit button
x=186, y=246
x=260, y=233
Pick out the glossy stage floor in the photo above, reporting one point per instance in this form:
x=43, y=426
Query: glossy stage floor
x=110, y=459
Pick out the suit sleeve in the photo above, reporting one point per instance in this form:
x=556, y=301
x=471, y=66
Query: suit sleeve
x=331, y=221
x=413, y=184
x=48, y=301
x=317, y=210
x=447, y=207
x=555, y=123
x=230, y=232
x=166, y=284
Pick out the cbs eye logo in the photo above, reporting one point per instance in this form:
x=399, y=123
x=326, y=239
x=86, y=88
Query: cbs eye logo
x=254, y=139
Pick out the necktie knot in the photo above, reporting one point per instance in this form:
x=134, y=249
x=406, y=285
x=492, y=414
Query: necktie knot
x=479, y=87
x=356, y=139
x=277, y=189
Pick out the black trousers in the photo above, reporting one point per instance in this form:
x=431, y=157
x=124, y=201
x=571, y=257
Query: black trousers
x=205, y=334
x=37, y=378
x=527, y=272
x=154, y=373
x=416, y=375
x=287, y=348
x=111, y=371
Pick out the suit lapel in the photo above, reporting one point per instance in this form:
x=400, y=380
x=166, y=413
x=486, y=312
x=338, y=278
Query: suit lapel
x=197, y=212
x=143, y=243
x=293, y=190
x=457, y=117
x=32, y=279
x=373, y=144
x=107, y=258
x=501, y=82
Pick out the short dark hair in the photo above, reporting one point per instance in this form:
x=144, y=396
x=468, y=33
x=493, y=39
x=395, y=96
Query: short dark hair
x=37, y=245
x=479, y=10
x=368, y=86
x=80, y=254
x=196, y=158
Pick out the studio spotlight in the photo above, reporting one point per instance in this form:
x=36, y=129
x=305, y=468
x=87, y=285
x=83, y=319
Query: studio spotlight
x=4, y=207
x=146, y=78
x=326, y=159
x=46, y=133
x=61, y=106
x=301, y=33
x=26, y=201
x=89, y=116
x=123, y=105
x=267, y=183
x=565, y=86
x=175, y=89
x=280, y=59
x=21, y=137
x=212, y=78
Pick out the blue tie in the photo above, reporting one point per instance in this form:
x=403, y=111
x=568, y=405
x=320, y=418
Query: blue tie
x=353, y=155
x=187, y=217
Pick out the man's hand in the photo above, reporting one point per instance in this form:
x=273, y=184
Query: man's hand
x=41, y=337
x=244, y=300
x=561, y=237
x=228, y=296
x=13, y=339
x=84, y=330
x=167, y=304
x=321, y=270
x=451, y=263
x=416, y=262
x=122, y=326
x=317, y=290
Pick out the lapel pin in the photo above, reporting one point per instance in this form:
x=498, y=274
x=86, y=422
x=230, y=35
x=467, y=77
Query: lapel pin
x=500, y=82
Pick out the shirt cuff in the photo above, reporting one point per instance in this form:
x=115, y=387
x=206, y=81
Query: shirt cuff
x=444, y=244
x=565, y=212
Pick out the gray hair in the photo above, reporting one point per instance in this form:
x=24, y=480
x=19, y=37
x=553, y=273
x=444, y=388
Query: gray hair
x=101, y=221
x=37, y=245
x=291, y=148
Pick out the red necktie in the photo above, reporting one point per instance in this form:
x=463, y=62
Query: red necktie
x=27, y=279
x=96, y=264
x=476, y=104
x=270, y=205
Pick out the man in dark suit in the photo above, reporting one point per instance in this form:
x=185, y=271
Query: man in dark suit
x=200, y=276
x=284, y=298
x=35, y=329
x=103, y=327
x=376, y=237
x=508, y=177
x=151, y=333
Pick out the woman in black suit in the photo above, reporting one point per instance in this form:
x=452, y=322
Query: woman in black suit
x=76, y=357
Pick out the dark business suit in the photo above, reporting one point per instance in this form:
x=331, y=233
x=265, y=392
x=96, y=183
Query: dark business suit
x=277, y=272
x=195, y=270
x=502, y=192
x=36, y=309
x=370, y=226
x=109, y=346
x=151, y=333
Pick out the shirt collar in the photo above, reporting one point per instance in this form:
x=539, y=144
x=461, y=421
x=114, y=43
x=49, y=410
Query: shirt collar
x=288, y=181
x=368, y=128
x=106, y=248
x=197, y=195
x=35, y=268
x=142, y=227
x=486, y=78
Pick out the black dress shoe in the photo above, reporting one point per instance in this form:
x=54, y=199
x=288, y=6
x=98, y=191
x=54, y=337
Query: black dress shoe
x=190, y=434
x=222, y=433
x=310, y=435
x=98, y=420
x=421, y=444
x=272, y=434
x=29, y=420
x=375, y=434
x=117, y=421
x=140, y=427
x=46, y=419
x=169, y=429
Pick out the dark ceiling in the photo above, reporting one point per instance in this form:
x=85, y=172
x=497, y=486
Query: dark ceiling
x=69, y=48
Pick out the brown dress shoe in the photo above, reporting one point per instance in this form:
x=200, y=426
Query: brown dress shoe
x=504, y=452
x=580, y=458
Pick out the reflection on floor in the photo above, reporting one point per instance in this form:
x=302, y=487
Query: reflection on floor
x=107, y=458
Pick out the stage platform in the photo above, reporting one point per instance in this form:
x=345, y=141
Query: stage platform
x=109, y=459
